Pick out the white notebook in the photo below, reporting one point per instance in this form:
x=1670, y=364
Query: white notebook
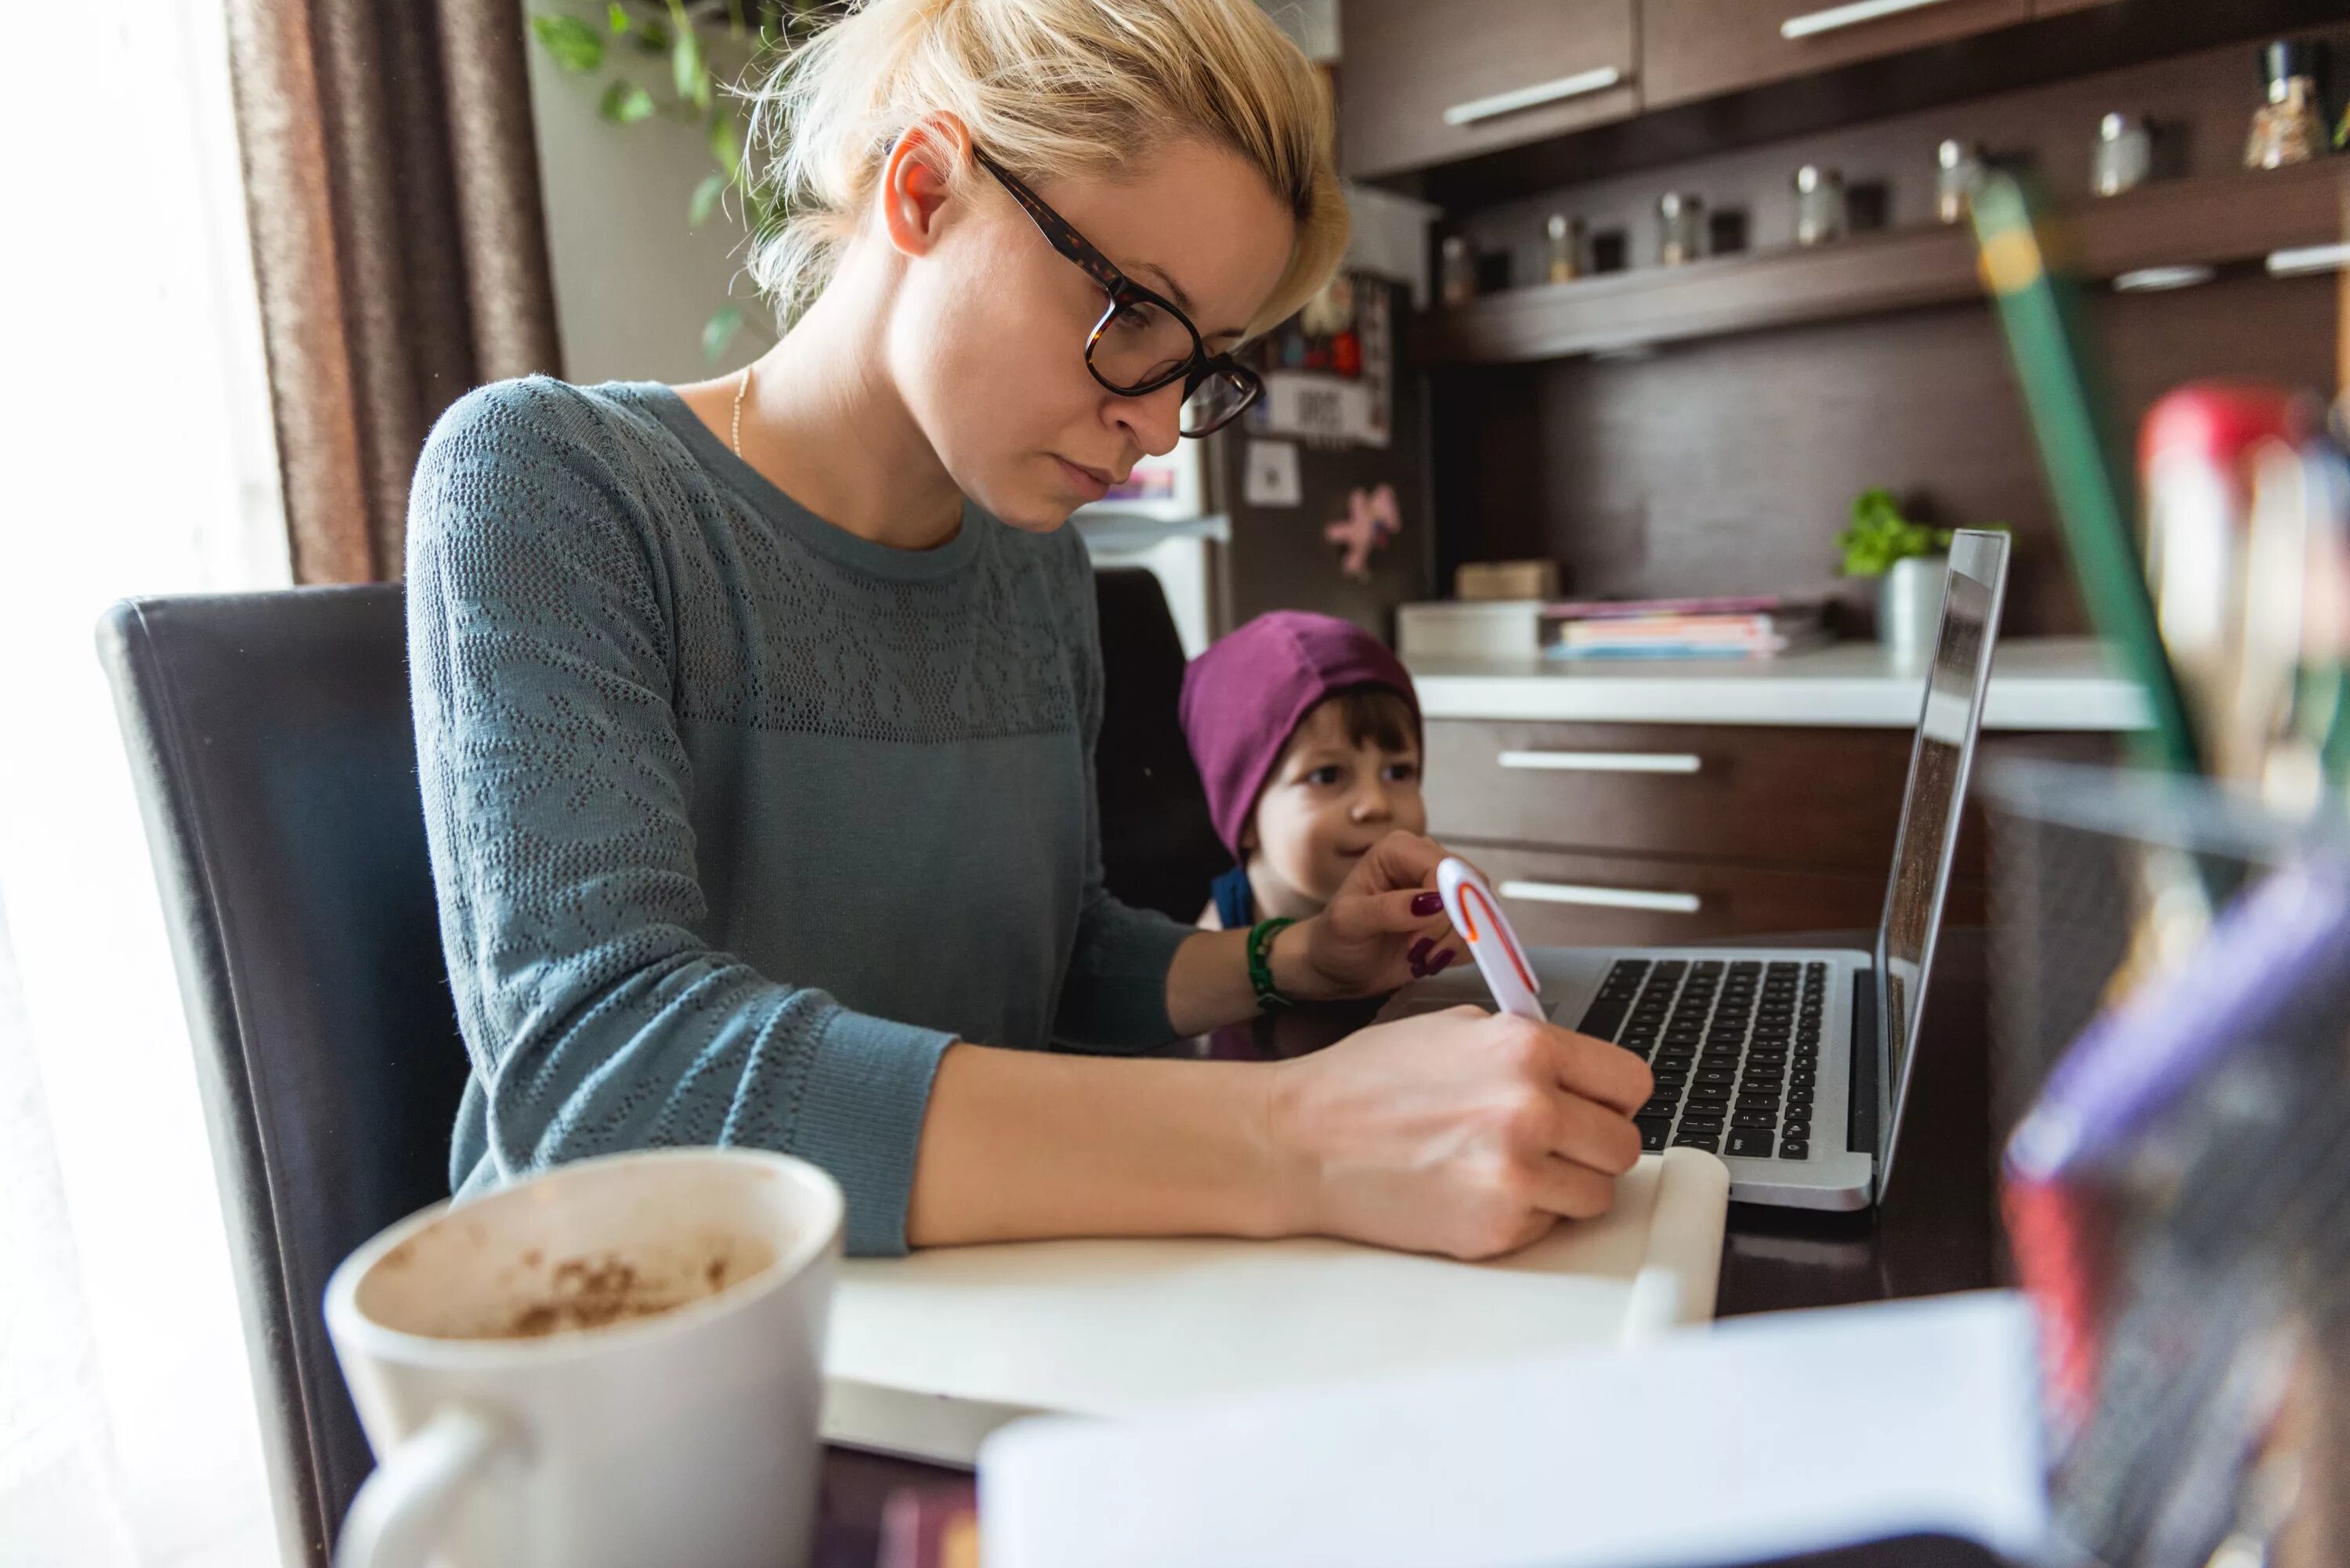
x=930, y=1354
x=1765, y=1437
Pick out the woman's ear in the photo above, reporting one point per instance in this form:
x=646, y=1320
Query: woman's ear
x=917, y=179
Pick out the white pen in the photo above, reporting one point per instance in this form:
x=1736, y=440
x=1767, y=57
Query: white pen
x=1477, y=916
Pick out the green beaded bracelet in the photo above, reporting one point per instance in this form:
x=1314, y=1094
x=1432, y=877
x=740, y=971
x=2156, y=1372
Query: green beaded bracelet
x=1259, y=964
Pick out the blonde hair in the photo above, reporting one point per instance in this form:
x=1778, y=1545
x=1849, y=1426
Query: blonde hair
x=1050, y=88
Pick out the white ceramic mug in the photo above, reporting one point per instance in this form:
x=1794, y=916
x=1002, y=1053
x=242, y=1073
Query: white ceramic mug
x=518, y=1427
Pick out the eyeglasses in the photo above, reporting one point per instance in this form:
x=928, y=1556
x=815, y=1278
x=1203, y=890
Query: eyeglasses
x=1142, y=342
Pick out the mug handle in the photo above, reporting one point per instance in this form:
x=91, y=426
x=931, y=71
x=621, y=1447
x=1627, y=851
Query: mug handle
x=403, y=1506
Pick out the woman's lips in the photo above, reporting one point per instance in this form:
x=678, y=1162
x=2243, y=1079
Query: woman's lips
x=1093, y=484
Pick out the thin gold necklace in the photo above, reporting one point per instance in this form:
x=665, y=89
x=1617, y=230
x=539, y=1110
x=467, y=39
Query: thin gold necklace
x=741, y=386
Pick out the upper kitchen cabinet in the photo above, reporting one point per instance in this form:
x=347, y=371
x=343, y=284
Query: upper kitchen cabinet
x=1696, y=48
x=1424, y=83
x=2058, y=7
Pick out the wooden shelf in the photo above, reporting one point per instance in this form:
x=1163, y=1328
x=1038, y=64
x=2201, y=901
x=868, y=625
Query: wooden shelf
x=2213, y=222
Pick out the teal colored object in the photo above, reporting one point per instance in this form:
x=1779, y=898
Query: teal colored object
x=2092, y=492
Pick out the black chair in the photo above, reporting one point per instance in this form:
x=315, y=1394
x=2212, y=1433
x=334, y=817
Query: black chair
x=1159, y=850
x=275, y=768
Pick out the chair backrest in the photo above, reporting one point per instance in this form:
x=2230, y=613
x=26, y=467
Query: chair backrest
x=1159, y=850
x=275, y=767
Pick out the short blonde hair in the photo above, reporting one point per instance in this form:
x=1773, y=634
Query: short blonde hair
x=1050, y=88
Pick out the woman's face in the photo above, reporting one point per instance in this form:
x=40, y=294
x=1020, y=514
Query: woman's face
x=987, y=341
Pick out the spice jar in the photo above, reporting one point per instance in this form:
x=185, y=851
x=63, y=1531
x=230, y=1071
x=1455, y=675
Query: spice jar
x=1680, y=228
x=1458, y=282
x=2124, y=154
x=1564, y=248
x=1958, y=166
x=1821, y=213
x=2291, y=127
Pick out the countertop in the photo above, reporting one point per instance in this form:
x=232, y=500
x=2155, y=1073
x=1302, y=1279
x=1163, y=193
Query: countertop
x=2037, y=683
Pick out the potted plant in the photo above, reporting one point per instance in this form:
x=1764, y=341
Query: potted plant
x=1910, y=559
x=704, y=43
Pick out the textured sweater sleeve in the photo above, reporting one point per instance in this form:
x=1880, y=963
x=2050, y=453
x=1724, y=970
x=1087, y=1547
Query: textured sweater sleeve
x=556, y=790
x=1115, y=998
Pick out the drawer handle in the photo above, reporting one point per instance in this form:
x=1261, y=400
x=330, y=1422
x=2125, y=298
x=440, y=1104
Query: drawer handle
x=1836, y=18
x=1576, y=86
x=1601, y=897
x=1604, y=762
x=2308, y=259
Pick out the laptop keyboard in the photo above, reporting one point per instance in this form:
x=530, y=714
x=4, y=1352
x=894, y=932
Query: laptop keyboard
x=1735, y=1048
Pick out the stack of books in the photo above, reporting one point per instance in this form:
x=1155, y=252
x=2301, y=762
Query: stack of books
x=1755, y=627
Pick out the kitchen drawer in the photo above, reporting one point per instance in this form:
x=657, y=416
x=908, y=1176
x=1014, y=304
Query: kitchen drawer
x=1696, y=48
x=1813, y=797
x=1557, y=900
x=1425, y=83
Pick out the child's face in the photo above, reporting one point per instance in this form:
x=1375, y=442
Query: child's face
x=1329, y=800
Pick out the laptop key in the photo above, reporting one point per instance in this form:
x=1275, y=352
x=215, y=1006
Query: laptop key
x=1709, y=1141
x=1795, y=1149
x=1713, y=1097
x=1658, y=1105
x=1757, y=1099
x=1803, y=1077
x=1754, y=1118
x=1802, y=1095
x=1716, y=1075
x=1655, y=1132
x=1749, y=1143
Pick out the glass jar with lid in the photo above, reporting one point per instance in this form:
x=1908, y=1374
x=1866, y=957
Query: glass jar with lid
x=1822, y=211
x=1680, y=228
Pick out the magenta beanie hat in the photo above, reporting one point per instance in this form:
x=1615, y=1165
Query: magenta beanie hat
x=1244, y=697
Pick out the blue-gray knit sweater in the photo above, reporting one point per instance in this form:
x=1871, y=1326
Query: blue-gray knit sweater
x=737, y=819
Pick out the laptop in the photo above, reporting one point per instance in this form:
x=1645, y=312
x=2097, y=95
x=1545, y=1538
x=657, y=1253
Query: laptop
x=1791, y=1064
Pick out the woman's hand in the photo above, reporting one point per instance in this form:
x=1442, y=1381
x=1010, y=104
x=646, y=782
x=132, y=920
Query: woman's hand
x=1461, y=1133
x=1384, y=926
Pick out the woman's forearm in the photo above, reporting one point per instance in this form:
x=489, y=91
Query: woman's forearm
x=1028, y=1144
x=1207, y=984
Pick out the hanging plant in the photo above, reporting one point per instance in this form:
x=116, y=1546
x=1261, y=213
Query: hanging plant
x=692, y=94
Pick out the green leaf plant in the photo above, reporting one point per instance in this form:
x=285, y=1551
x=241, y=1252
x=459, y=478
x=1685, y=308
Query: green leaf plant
x=587, y=42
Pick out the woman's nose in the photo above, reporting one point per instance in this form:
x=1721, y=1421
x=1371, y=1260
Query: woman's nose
x=1154, y=419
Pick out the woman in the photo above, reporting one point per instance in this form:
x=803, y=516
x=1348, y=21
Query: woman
x=756, y=718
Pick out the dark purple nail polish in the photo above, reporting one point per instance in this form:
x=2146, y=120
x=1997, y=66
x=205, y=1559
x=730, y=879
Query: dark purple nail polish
x=1428, y=904
x=1419, y=951
x=1440, y=960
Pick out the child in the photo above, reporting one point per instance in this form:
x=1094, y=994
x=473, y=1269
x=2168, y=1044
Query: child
x=1306, y=733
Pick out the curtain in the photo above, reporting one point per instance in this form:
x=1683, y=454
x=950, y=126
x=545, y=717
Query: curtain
x=400, y=250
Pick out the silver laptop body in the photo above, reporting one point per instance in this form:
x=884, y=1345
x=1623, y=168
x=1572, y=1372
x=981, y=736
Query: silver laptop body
x=1846, y=1093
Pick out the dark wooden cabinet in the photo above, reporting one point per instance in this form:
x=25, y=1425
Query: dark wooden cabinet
x=1560, y=898
x=1669, y=833
x=1805, y=796
x=1698, y=49
x=2058, y=7
x=1426, y=83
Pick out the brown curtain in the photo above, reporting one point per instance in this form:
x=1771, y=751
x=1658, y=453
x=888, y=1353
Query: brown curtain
x=392, y=185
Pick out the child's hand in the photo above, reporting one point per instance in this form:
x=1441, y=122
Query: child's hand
x=1386, y=926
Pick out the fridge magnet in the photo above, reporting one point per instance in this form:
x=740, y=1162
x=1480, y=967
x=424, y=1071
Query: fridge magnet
x=1329, y=371
x=1270, y=476
x=1370, y=522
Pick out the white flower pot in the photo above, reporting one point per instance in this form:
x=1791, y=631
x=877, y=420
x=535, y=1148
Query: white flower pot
x=1909, y=607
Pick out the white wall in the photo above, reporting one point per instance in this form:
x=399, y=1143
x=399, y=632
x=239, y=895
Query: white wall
x=633, y=281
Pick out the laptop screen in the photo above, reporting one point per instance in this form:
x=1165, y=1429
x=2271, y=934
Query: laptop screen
x=1938, y=766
